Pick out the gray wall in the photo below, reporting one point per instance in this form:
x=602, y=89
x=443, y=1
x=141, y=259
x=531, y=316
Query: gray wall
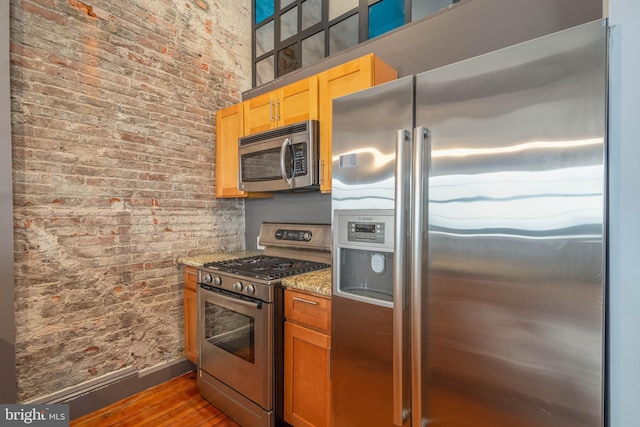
x=470, y=28
x=624, y=210
x=467, y=29
x=8, y=393
x=312, y=208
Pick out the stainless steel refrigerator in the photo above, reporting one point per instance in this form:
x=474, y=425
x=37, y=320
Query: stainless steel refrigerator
x=469, y=240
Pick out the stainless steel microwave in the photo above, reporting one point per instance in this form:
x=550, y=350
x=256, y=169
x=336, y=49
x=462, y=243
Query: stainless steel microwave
x=280, y=159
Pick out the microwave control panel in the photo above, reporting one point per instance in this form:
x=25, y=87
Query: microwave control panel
x=300, y=159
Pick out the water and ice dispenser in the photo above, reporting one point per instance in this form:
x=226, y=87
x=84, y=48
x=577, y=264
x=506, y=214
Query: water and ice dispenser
x=363, y=255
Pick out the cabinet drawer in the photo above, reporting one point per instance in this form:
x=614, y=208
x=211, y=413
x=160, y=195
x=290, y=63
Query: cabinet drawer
x=310, y=310
x=190, y=277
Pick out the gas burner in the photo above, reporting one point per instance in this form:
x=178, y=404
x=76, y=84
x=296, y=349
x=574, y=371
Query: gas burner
x=266, y=267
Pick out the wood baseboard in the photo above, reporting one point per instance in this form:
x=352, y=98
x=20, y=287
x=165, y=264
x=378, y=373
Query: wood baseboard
x=89, y=397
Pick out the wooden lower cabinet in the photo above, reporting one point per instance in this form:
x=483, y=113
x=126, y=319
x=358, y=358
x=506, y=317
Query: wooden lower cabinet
x=307, y=388
x=190, y=317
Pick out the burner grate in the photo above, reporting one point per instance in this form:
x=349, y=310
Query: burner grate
x=266, y=267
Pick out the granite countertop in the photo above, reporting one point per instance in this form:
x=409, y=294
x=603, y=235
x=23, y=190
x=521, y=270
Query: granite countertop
x=199, y=260
x=317, y=282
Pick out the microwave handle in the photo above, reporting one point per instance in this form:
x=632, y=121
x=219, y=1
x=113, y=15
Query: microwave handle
x=286, y=145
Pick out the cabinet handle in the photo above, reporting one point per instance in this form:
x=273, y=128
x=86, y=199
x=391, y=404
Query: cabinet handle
x=321, y=171
x=306, y=301
x=277, y=109
x=270, y=109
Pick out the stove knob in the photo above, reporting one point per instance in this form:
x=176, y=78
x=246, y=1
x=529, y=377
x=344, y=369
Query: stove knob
x=251, y=289
x=206, y=278
x=306, y=236
x=217, y=281
x=238, y=287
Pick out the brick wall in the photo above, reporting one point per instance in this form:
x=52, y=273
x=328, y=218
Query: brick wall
x=113, y=112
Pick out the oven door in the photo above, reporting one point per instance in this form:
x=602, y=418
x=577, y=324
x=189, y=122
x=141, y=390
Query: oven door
x=235, y=335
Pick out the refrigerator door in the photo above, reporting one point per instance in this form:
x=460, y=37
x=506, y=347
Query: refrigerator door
x=511, y=274
x=371, y=181
x=365, y=126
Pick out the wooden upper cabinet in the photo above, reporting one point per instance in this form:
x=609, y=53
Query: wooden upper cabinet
x=361, y=73
x=260, y=113
x=293, y=103
x=307, y=99
x=230, y=127
x=298, y=102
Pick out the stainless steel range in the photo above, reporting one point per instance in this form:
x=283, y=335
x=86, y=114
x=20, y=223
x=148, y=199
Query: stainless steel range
x=240, y=321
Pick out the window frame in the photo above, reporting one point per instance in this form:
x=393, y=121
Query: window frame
x=362, y=10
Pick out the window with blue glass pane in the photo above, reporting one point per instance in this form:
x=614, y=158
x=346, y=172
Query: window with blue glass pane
x=264, y=9
x=384, y=16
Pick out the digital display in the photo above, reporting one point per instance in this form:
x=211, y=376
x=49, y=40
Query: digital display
x=369, y=232
x=365, y=228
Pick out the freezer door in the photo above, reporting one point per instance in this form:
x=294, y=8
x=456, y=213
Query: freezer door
x=365, y=127
x=511, y=255
x=370, y=318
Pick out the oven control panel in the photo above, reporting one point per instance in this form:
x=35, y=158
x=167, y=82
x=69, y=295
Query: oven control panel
x=294, y=235
x=209, y=280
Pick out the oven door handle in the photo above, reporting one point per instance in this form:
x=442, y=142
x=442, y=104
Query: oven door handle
x=236, y=299
x=286, y=146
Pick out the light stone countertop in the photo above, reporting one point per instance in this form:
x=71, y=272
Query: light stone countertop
x=317, y=282
x=199, y=260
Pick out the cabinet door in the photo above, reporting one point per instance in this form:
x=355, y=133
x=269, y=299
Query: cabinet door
x=342, y=80
x=190, y=318
x=297, y=102
x=260, y=113
x=229, y=127
x=293, y=103
x=229, y=122
x=306, y=376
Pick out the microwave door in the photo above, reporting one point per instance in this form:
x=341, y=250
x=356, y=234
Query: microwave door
x=261, y=167
x=282, y=159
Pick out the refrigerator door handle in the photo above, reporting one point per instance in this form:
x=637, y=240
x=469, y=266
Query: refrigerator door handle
x=400, y=412
x=421, y=137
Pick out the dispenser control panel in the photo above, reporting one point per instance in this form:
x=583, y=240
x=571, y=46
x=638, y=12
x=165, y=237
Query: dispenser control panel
x=372, y=232
x=372, y=229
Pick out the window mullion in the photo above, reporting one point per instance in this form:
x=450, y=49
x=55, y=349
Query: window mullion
x=339, y=33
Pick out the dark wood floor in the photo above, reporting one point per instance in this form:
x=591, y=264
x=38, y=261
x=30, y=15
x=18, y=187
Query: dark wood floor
x=174, y=403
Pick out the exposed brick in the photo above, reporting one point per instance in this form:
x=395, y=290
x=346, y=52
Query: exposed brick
x=113, y=110
x=83, y=7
